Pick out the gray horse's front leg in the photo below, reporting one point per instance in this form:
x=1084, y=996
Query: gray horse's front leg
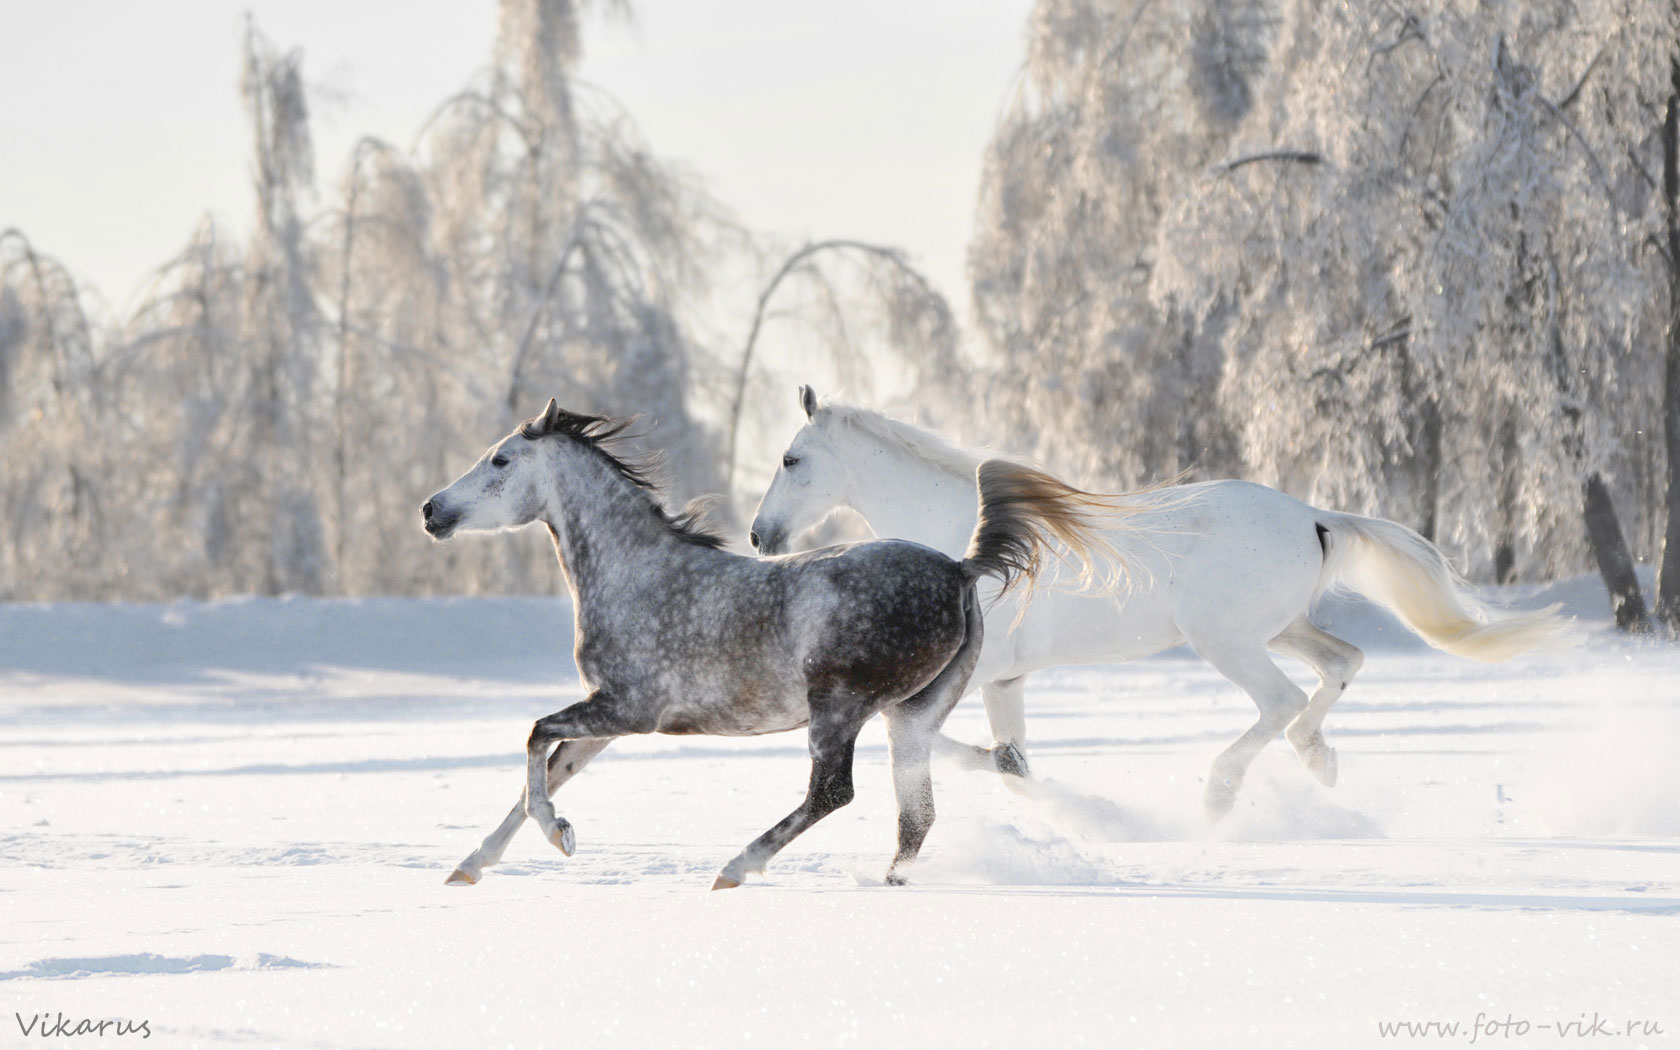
x=830, y=788
x=599, y=716
x=568, y=760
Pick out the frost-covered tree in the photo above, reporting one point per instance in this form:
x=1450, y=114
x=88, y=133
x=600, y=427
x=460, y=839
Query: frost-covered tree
x=569, y=259
x=866, y=312
x=179, y=378
x=280, y=436
x=274, y=410
x=1469, y=269
x=1107, y=116
x=1406, y=269
x=54, y=502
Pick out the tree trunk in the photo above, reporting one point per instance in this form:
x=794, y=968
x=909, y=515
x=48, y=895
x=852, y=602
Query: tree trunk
x=1505, y=551
x=878, y=251
x=1431, y=454
x=1610, y=551
x=1604, y=528
x=1668, y=579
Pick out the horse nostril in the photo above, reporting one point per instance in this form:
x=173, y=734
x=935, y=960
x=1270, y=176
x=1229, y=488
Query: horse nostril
x=426, y=511
x=752, y=538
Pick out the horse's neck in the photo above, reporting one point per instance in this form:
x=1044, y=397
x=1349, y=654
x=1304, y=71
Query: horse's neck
x=904, y=496
x=609, y=541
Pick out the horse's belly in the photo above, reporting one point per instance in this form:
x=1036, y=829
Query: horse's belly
x=741, y=714
x=1062, y=628
x=1112, y=628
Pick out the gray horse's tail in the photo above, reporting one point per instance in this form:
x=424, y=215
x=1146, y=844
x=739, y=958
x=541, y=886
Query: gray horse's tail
x=1025, y=513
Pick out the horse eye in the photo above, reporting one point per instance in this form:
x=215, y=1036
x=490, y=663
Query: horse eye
x=499, y=461
x=790, y=461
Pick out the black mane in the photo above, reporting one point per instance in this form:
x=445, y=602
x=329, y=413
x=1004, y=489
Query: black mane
x=600, y=433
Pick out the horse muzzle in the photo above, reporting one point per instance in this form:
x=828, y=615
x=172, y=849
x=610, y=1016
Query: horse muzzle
x=438, y=522
x=767, y=539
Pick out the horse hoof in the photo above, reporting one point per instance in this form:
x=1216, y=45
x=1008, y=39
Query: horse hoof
x=1221, y=797
x=724, y=882
x=895, y=879
x=1318, y=757
x=460, y=877
x=1325, y=767
x=1010, y=761
x=563, y=838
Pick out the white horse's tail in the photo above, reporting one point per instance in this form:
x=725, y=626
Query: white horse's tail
x=1394, y=566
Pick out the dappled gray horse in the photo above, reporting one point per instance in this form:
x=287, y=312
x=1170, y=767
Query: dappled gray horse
x=676, y=635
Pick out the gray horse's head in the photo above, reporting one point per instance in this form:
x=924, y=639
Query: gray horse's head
x=812, y=481
x=508, y=486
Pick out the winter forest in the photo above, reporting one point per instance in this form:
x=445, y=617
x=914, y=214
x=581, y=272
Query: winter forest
x=1411, y=258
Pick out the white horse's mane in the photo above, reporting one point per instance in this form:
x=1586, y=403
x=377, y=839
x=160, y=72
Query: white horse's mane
x=920, y=443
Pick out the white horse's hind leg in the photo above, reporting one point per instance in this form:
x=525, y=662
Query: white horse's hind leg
x=1279, y=700
x=1005, y=702
x=1335, y=662
x=568, y=759
x=1006, y=710
x=968, y=757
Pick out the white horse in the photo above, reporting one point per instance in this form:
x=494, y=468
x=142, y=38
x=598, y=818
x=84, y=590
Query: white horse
x=1230, y=567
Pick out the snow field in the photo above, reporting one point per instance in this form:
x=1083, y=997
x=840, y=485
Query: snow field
x=233, y=820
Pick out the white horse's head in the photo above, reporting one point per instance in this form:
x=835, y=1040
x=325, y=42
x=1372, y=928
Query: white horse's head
x=813, y=480
x=508, y=487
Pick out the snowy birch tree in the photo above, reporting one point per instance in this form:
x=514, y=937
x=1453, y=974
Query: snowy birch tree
x=1392, y=257
x=275, y=410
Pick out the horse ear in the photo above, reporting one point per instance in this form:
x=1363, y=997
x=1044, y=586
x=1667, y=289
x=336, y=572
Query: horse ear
x=808, y=401
x=551, y=414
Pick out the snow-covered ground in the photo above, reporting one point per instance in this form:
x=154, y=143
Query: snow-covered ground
x=232, y=821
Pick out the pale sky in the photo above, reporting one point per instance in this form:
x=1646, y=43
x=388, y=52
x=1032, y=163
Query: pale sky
x=120, y=122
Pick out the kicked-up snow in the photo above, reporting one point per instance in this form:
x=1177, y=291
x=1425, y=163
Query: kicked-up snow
x=228, y=825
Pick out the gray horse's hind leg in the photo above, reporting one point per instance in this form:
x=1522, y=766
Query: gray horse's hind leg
x=911, y=727
x=568, y=760
x=833, y=737
x=910, y=736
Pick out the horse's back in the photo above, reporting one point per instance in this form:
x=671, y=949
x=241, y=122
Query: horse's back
x=1213, y=559
x=1239, y=557
x=883, y=616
